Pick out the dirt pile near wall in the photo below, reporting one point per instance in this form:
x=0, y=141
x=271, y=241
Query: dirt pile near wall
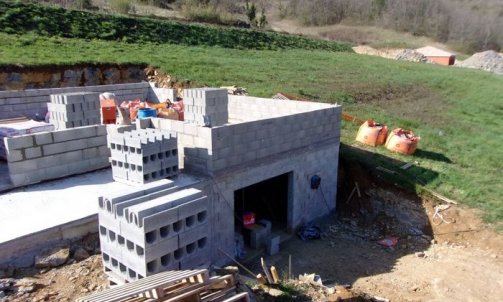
x=487, y=60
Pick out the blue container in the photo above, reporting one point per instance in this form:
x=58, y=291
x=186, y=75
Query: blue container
x=144, y=113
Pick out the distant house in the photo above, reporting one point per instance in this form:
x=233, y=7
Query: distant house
x=438, y=56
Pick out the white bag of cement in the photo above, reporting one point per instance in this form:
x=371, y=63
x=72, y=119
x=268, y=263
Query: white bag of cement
x=107, y=96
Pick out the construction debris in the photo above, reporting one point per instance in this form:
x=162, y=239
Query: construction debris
x=52, y=258
x=439, y=218
x=164, y=80
x=411, y=56
x=487, y=60
x=235, y=90
x=188, y=285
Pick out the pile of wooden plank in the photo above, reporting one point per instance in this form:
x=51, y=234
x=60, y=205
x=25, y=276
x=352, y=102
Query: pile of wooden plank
x=171, y=286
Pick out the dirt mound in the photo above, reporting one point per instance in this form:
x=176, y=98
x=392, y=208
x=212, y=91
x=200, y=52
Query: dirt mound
x=388, y=53
x=487, y=60
x=411, y=56
x=392, y=53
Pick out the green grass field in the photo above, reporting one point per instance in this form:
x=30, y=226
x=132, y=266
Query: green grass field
x=457, y=112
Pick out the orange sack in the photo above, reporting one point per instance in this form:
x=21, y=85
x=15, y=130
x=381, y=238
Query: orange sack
x=372, y=133
x=402, y=141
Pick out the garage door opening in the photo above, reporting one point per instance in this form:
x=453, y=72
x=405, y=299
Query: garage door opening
x=268, y=199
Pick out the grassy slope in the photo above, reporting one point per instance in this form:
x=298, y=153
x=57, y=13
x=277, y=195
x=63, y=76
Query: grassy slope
x=455, y=111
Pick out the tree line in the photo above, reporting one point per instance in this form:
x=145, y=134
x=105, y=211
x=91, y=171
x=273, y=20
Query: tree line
x=475, y=24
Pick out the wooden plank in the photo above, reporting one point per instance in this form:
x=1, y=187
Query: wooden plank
x=198, y=289
x=143, y=285
x=274, y=274
x=241, y=297
x=266, y=271
x=217, y=295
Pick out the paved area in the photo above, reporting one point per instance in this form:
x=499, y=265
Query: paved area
x=37, y=207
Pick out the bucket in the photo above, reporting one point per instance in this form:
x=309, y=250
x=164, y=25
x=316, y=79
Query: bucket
x=248, y=218
x=144, y=113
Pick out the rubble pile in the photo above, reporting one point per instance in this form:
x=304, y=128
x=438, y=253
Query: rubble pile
x=487, y=60
x=411, y=56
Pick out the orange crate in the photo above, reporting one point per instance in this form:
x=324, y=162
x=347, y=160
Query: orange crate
x=108, y=111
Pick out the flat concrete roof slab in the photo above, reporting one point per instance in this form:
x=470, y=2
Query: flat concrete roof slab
x=34, y=208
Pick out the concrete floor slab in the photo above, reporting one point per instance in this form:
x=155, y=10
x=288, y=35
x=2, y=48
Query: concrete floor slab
x=38, y=207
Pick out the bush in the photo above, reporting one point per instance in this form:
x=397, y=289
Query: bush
x=207, y=14
x=121, y=6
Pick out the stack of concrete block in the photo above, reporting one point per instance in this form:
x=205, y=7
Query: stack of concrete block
x=148, y=231
x=206, y=107
x=144, y=155
x=48, y=155
x=76, y=109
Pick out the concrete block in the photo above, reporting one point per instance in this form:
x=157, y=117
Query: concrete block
x=14, y=155
x=97, y=141
x=18, y=142
x=258, y=235
x=272, y=244
x=101, y=130
x=57, y=171
x=64, y=147
x=43, y=138
x=193, y=235
x=73, y=134
x=90, y=153
x=20, y=179
x=163, y=221
x=160, y=249
x=21, y=167
x=33, y=152
x=265, y=223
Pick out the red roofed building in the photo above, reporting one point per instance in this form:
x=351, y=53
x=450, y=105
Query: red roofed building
x=436, y=55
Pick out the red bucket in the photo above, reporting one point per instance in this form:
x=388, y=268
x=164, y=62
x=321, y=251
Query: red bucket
x=248, y=218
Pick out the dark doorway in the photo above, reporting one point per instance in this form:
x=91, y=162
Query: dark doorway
x=268, y=199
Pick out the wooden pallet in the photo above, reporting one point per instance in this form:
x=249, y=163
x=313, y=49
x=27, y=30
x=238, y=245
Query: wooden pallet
x=150, y=288
x=174, y=286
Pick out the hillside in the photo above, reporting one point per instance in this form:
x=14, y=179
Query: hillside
x=455, y=111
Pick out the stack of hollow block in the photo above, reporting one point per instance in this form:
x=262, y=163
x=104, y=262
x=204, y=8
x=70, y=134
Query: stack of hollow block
x=152, y=230
x=76, y=109
x=142, y=156
x=207, y=107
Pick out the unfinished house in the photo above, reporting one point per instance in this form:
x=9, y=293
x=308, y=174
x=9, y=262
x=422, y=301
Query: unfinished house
x=249, y=171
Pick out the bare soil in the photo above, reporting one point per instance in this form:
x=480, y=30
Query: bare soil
x=459, y=261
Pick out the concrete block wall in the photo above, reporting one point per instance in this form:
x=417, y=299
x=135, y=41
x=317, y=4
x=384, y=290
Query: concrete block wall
x=206, y=106
x=159, y=95
x=33, y=103
x=194, y=143
x=236, y=144
x=304, y=204
x=48, y=155
x=75, y=109
x=143, y=155
x=247, y=108
x=144, y=232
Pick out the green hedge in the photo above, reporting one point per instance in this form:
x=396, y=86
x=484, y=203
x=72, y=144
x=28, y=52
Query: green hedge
x=18, y=18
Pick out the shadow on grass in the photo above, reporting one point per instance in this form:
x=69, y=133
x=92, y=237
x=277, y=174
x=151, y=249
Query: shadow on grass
x=389, y=168
x=432, y=155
